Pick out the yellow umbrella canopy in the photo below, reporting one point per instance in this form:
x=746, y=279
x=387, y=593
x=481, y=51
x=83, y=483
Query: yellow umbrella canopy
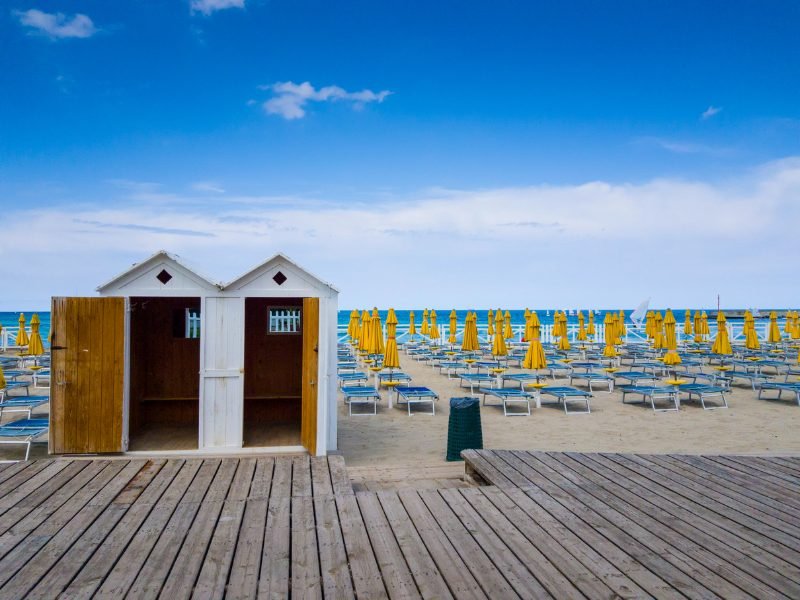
x=623, y=330
x=507, y=332
x=687, y=323
x=563, y=341
x=670, y=340
x=581, y=327
x=499, y=347
x=490, y=322
x=787, y=326
x=534, y=357
x=648, y=324
x=376, y=338
x=774, y=331
x=796, y=327
x=750, y=336
x=658, y=331
x=412, y=328
x=453, y=325
x=35, y=346
x=618, y=326
x=705, y=329
x=469, y=342
x=433, y=330
x=722, y=343
x=391, y=358
x=352, y=325
x=591, y=329
x=425, y=328
x=2, y=379
x=366, y=332
x=22, y=335
x=528, y=328
x=608, y=336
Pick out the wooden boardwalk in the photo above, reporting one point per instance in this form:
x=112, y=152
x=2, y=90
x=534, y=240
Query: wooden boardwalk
x=548, y=525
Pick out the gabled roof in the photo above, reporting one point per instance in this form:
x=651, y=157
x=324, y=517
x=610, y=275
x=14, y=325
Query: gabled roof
x=137, y=269
x=267, y=264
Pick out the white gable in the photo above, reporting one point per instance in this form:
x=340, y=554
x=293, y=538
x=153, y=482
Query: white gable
x=162, y=274
x=280, y=276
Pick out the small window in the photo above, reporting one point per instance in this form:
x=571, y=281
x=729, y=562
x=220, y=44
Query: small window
x=192, y=323
x=284, y=320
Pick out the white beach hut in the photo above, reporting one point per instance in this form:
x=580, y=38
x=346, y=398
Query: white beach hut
x=169, y=360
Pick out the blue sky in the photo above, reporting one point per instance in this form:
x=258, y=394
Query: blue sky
x=454, y=145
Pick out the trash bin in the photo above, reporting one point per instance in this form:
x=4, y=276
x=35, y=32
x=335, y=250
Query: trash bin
x=464, y=427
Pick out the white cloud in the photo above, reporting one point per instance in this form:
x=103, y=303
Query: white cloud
x=598, y=244
x=57, y=25
x=290, y=99
x=687, y=147
x=207, y=7
x=208, y=186
x=710, y=112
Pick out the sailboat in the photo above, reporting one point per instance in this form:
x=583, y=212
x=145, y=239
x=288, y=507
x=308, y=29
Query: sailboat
x=638, y=316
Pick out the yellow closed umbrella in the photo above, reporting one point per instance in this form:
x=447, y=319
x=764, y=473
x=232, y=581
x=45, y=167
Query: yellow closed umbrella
x=453, y=325
x=527, y=332
x=687, y=323
x=623, y=330
x=469, y=343
x=774, y=336
x=490, y=322
x=425, y=328
x=618, y=327
x=412, y=328
x=364, y=339
x=591, y=329
x=534, y=357
x=499, y=347
x=433, y=330
x=750, y=336
x=352, y=325
x=2, y=379
x=796, y=327
x=22, y=335
x=563, y=341
x=581, y=328
x=671, y=340
x=648, y=325
x=698, y=327
x=507, y=332
x=391, y=358
x=658, y=331
x=608, y=336
x=787, y=326
x=35, y=346
x=376, y=336
x=722, y=343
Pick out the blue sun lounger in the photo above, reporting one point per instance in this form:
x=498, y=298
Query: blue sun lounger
x=478, y=379
x=509, y=396
x=361, y=395
x=24, y=404
x=652, y=393
x=393, y=376
x=23, y=432
x=451, y=368
x=635, y=377
x=703, y=392
x=590, y=377
x=15, y=385
x=522, y=378
x=780, y=387
x=351, y=378
x=417, y=395
x=566, y=394
x=755, y=379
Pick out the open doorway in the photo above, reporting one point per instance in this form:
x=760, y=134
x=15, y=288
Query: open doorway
x=164, y=390
x=273, y=359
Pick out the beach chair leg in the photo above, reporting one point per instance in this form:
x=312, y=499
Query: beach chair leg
x=28, y=450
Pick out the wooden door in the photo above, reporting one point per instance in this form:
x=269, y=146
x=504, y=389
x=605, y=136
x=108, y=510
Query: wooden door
x=308, y=422
x=88, y=375
x=222, y=385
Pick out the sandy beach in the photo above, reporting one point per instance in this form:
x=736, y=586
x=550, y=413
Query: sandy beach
x=392, y=438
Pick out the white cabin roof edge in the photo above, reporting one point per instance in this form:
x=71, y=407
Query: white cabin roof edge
x=161, y=254
x=244, y=277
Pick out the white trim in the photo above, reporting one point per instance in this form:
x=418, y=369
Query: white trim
x=223, y=450
x=255, y=272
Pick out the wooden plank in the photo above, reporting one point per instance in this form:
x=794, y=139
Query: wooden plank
x=21, y=542
x=541, y=567
x=770, y=467
x=668, y=563
x=217, y=564
x=308, y=420
x=493, y=582
x=396, y=574
x=58, y=366
x=19, y=530
x=176, y=473
x=342, y=486
x=585, y=568
x=336, y=581
x=43, y=549
x=301, y=476
x=183, y=575
x=680, y=528
x=282, y=478
x=478, y=460
x=274, y=576
x=321, y=477
x=306, y=576
x=243, y=580
x=145, y=485
x=460, y=580
x=150, y=554
x=739, y=478
x=766, y=478
x=367, y=580
x=21, y=492
x=429, y=580
x=20, y=477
